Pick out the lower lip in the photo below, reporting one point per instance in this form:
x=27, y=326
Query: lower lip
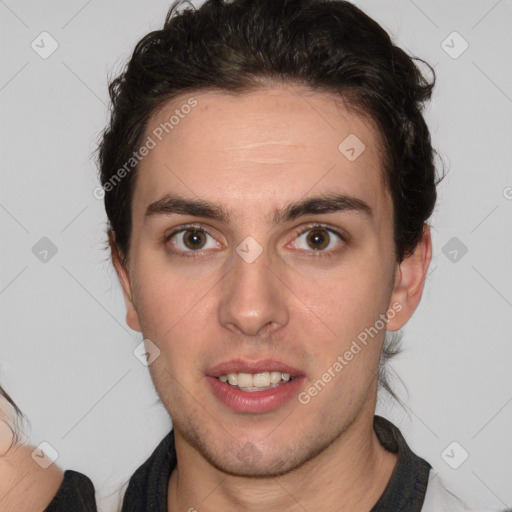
x=255, y=401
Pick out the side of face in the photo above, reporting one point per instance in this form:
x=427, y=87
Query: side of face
x=302, y=299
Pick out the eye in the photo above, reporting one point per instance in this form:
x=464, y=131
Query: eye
x=190, y=239
x=318, y=238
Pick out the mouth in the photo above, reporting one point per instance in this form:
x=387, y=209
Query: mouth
x=254, y=386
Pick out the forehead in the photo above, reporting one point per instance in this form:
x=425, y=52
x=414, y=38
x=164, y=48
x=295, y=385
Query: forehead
x=260, y=149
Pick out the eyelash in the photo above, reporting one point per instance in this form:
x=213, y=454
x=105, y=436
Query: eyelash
x=298, y=232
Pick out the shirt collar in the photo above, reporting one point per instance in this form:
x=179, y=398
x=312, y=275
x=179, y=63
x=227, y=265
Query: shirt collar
x=405, y=492
x=407, y=486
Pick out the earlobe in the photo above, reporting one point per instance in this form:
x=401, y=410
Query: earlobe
x=132, y=318
x=409, y=281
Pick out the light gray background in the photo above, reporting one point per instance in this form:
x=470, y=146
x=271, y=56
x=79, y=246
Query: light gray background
x=65, y=351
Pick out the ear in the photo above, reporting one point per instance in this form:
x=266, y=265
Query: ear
x=132, y=318
x=409, y=281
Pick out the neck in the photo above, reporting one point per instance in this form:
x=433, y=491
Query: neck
x=350, y=474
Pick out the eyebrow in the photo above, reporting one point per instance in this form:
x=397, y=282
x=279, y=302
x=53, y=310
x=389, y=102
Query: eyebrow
x=328, y=203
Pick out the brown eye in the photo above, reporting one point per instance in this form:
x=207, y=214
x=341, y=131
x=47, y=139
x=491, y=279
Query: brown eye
x=194, y=238
x=190, y=241
x=318, y=239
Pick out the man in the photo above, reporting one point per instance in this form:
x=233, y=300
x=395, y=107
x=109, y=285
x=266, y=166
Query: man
x=268, y=178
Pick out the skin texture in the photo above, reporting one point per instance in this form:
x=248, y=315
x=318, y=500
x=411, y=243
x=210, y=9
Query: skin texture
x=24, y=485
x=253, y=154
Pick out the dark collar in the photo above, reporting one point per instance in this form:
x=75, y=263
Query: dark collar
x=408, y=484
x=75, y=494
x=405, y=492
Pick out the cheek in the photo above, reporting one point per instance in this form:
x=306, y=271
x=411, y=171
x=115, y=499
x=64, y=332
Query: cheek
x=174, y=311
x=343, y=303
x=347, y=334
x=162, y=296
x=155, y=308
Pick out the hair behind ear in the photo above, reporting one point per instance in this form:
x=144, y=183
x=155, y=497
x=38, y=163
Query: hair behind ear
x=392, y=348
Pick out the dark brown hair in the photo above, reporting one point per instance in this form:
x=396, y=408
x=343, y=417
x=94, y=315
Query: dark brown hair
x=17, y=411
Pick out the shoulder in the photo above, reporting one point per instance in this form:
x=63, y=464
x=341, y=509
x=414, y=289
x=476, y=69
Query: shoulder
x=440, y=499
x=76, y=494
x=28, y=486
x=24, y=485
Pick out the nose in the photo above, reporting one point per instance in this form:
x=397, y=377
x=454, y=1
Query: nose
x=254, y=298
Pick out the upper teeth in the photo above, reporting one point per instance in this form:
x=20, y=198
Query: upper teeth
x=257, y=380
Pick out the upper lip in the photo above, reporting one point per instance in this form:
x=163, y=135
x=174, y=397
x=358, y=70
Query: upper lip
x=247, y=366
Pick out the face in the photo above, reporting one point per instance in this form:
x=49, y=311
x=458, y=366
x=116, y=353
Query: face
x=261, y=247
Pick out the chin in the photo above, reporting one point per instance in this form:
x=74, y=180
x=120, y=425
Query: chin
x=266, y=467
